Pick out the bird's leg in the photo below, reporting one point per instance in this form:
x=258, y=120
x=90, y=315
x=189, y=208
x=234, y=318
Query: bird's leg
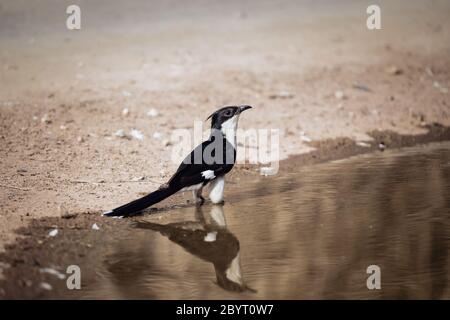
x=217, y=188
x=199, y=200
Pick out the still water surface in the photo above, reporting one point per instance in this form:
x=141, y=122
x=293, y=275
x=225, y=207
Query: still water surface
x=308, y=234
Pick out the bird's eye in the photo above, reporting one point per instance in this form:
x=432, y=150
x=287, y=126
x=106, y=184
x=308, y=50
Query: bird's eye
x=228, y=113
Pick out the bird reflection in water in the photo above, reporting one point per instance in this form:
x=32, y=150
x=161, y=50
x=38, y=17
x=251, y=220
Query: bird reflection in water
x=209, y=239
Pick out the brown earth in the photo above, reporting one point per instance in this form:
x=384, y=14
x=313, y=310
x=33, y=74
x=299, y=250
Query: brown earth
x=62, y=93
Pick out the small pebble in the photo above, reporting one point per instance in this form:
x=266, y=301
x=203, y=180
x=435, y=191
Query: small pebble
x=363, y=144
x=46, y=119
x=137, y=134
x=339, y=95
x=393, y=70
x=282, y=95
x=152, y=113
x=120, y=133
x=45, y=286
x=267, y=171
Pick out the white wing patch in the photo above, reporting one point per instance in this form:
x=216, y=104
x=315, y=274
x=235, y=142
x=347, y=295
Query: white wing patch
x=208, y=174
x=210, y=236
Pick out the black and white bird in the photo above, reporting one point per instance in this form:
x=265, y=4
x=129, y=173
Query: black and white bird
x=207, y=163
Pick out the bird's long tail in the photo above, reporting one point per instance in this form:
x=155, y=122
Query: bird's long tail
x=141, y=203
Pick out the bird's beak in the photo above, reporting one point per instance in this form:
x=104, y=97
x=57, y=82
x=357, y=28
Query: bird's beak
x=243, y=108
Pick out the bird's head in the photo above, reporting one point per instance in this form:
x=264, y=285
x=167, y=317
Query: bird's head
x=227, y=117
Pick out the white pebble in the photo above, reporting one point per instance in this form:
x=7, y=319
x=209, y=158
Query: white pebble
x=305, y=138
x=137, y=134
x=95, y=227
x=363, y=144
x=120, y=133
x=267, y=171
x=53, y=272
x=339, y=95
x=152, y=113
x=45, y=286
x=45, y=119
x=53, y=233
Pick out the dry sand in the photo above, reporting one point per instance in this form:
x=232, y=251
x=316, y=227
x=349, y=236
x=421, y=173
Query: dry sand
x=62, y=92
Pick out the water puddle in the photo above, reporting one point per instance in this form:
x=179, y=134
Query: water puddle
x=309, y=234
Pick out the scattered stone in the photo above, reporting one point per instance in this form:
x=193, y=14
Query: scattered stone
x=95, y=227
x=282, y=95
x=339, y=95
x=22, y=170
x=135, y=179
x=53, y=233
x=437, y=85
x=393, y=70
x=136, y=134
x=45, y=286
x=361, y=87
x=80, y=139
x=152, y=113
x=126, y=93
x=267, y=171
x=363, y=144
x=166, y=142
x=429, y=71
x=53, y=272
x=62, y=127
x=46, y=119
x=125, y=112
x=157, y=135
x=120, y=133
x=381, y=146
x=304, y=137
x=64, y=213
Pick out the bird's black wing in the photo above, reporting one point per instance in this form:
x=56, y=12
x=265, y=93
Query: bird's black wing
x=191, y=170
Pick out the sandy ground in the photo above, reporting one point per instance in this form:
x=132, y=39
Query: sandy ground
x=310, y=69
